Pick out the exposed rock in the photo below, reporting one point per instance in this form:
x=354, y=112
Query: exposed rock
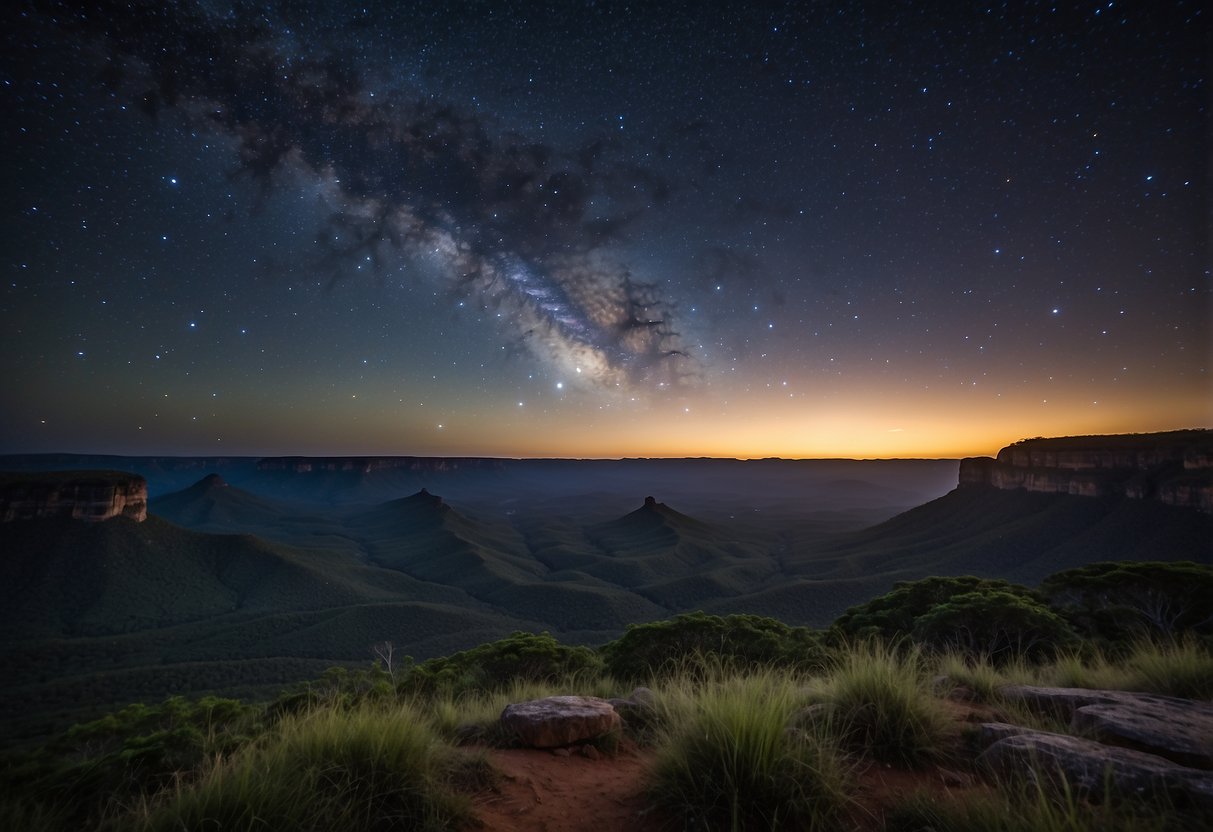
x=1178, y=729
x=560, y=720
x=91, y=496
x=638, y=709
x=1173, y=728
x=1090, y=768
x=590, y=752
x=1062, y=702
x=992, y=732
x=1175, y=468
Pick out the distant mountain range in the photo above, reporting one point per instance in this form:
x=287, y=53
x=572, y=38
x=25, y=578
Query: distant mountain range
x=228, y=588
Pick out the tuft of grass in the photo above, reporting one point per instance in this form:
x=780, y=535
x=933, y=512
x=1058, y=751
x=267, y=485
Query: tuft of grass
x=1182, y=668
x=879, y=698
x=980, y=674
x=361, y=769
x=730, y=760
x=1096, y=672
x=1030, y=807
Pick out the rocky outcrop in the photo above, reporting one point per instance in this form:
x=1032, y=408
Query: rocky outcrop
x=1175, y=468
x=560, y=720
x=1178, y=729
x=1138, y=744
x=1090, y=768
x=92, y=496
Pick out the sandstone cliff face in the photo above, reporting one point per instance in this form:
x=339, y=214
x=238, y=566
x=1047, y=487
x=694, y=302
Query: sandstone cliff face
x=1175, y=468
x=91, y=496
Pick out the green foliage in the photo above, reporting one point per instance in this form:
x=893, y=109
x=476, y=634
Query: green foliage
x=1000, y=625
x=338, y=687
x=93, y=768
x=740, y=641
x=362, y=769
x=893, y=615
x=525, y=657
x=983, y=677
x=992, y=617
x=879, y=700
x=728, y=759
x=1119, y=602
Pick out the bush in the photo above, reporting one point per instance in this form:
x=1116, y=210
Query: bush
x=730, y=761
x=94, y=769
x=737, y=641
x=520, y=657
x=1001, y=625
x=893, y=615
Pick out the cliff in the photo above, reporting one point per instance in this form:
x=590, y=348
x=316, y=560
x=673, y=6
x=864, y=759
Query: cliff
x=1175, y=468
x=91, y=496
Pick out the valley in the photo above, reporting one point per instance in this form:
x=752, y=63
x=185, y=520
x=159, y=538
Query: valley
x=236, y=584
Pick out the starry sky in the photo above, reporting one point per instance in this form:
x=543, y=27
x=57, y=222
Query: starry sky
x=595, y=229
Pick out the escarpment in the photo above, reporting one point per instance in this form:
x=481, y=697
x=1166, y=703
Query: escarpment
x=1175, y=468
x=91, y=496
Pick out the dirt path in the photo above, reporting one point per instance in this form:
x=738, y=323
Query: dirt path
x=541, y=792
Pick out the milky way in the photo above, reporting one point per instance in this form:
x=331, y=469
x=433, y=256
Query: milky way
x=596, y=229
x=516, y=225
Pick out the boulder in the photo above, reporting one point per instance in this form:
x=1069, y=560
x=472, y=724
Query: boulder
x=1090, y=768
x=560, y=720
x=638, y=709
x=1177, y=729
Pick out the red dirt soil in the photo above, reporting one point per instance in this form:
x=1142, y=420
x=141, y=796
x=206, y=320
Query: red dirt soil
x=541, y=792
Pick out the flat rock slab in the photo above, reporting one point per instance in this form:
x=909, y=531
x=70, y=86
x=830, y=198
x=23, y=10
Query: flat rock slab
x=560, y=720
x=1178, y=729
x=1090, y=767
x=1180, y=732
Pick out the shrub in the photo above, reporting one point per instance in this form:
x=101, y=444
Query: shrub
x=730, y=761
x=520, y=657
x=737, y=641
x=893, y=615
x=1000, y=625
x=94, y=768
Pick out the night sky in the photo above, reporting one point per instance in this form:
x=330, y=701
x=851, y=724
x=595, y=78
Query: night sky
x=589, y=229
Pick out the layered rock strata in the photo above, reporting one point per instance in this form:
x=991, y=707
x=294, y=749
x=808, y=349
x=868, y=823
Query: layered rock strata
x=1174, y=468
x=91, y=496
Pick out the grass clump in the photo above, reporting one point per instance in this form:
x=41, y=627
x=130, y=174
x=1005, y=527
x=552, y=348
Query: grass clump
x=1030, y=807
x=879, y=699
x=980, y=674
x=1182, y=668
x=730, y=760
x=362, y=769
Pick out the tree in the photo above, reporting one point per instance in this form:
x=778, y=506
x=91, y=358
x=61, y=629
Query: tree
x=647, y=649
x=1001, y=625
x=896, y=613
x=1122, y=600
